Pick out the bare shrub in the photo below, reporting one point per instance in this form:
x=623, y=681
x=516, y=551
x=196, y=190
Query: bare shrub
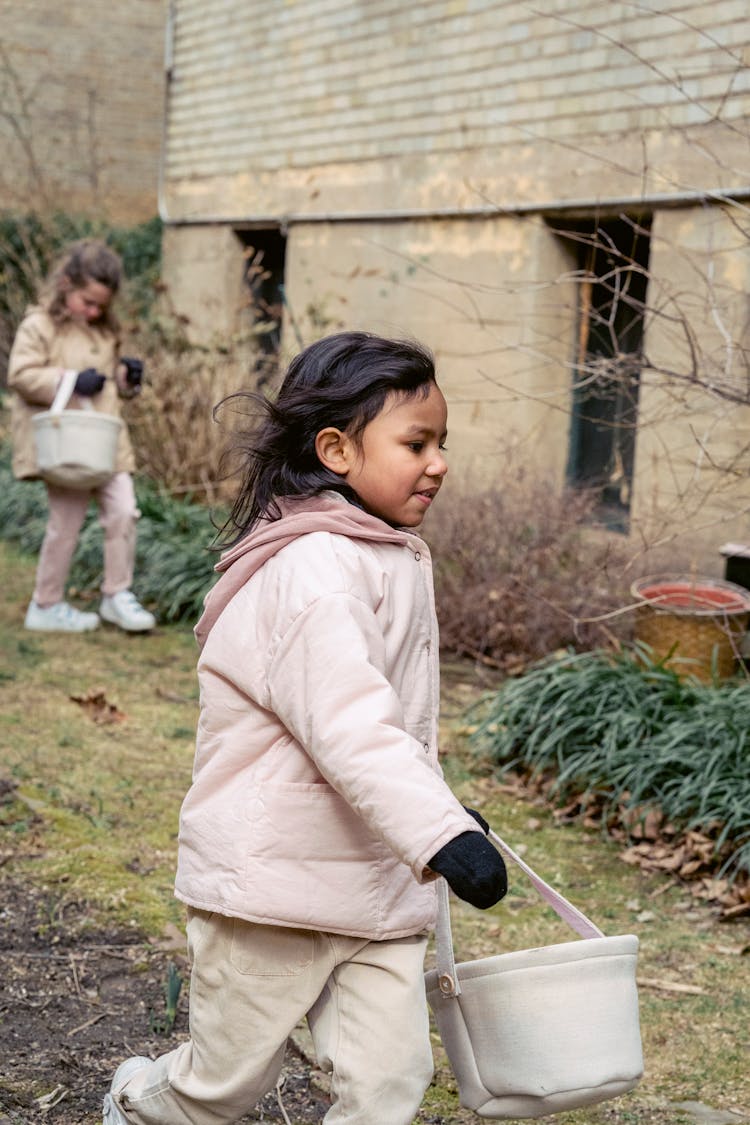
x=519, y=573
x=26, y=250
x=177, y=441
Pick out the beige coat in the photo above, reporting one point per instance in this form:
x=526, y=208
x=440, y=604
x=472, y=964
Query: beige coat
x=317, y=800
x=41, y=351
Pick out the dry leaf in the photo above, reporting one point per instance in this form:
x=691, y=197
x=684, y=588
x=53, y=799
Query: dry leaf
x=171, y=696
x=97, y=706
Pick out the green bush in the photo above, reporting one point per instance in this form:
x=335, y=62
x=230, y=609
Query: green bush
x=631, y=734
x=174, y=563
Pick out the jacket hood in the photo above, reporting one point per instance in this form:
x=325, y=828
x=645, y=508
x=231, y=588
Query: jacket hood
x=329, y=512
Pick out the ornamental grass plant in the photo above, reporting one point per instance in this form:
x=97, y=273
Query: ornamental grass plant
x=619, y=733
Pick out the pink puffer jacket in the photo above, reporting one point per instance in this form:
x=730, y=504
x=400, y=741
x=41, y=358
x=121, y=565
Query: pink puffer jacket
x=317, y=800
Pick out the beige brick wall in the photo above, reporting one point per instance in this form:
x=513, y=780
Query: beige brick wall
x=693, y=452
x=327, y=116
x=81, y=106
x=319, y=105
x=496, y=301
x=469, y=291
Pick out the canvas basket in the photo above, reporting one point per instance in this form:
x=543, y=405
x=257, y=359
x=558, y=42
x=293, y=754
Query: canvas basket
x=538, y=1031
x=75, y=448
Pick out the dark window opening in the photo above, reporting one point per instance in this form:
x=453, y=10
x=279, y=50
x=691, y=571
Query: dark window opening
x=611, y=270
x=264, y=253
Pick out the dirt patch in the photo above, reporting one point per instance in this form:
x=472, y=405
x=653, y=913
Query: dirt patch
x=75, y=1001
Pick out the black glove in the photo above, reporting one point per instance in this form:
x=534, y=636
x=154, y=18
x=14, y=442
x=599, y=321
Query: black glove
x=89, y=382
x=133, y=370
x=478, y=818
x=473, y=869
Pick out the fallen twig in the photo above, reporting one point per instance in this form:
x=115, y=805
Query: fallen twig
x=670, y=986
x=88, y=1023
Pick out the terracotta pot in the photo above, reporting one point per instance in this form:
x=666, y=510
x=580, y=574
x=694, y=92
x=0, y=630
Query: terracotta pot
x=694, y=624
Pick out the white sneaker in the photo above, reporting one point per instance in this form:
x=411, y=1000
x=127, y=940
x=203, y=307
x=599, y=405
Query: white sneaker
x=112, y=1114
x=59, y=618
x=125, y=610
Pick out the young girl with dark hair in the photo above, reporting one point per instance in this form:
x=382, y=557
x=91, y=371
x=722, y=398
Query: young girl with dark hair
x=73, y=328
x=318, y=818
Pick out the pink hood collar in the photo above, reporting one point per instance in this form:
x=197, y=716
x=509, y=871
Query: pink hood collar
x=327, y=512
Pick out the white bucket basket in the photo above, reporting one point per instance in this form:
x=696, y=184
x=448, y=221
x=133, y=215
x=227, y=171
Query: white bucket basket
x=538, y=1031
x=75, y=448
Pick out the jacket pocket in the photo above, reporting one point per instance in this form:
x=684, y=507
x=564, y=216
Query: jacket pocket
x=313, y=862
x=307, y=821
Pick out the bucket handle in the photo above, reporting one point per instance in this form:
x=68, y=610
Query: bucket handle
x=446, y=964
x=64, y=391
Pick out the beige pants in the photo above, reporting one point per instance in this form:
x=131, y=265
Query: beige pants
x=67, y=508
x=365, y=1005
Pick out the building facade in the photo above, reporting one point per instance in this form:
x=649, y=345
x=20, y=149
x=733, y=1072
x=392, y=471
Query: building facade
x=82, y=107
x=554, y=197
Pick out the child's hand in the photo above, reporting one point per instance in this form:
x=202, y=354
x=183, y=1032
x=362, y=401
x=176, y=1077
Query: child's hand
x=473, y=869
x=89, y=382
x=133, y=370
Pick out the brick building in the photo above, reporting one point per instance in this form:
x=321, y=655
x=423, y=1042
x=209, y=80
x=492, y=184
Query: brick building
x=82, y=106
x=554, y=197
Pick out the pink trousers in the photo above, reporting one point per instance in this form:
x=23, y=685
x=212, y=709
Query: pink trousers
x=67, y=508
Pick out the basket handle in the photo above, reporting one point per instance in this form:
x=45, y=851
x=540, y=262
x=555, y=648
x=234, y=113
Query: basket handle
x=446, y=963
x=64, y=391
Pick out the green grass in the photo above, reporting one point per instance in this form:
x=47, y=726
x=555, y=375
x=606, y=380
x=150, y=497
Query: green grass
x=99, y=801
